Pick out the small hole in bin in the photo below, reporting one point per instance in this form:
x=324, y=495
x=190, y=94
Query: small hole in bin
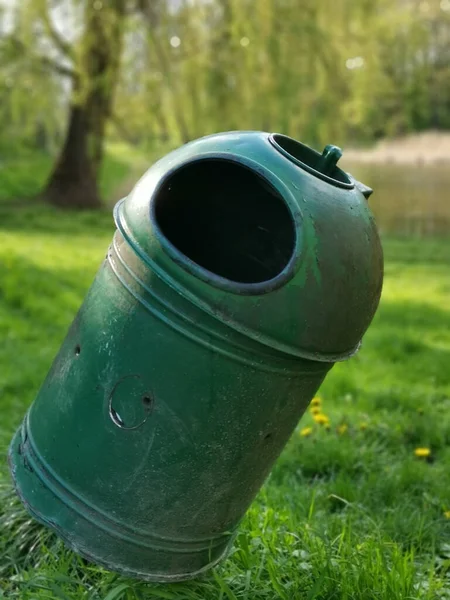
x=147, y=401
x=227, y=219
x=77, y=350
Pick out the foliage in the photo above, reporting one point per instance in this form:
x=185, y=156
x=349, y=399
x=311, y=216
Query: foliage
x=360, y=71
x=349, y=512
x=357, y=506
x=363, y=70
x=22, y=176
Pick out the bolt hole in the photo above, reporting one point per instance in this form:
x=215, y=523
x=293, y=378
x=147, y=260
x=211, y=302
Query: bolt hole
x=77, y=350
x=147, y=401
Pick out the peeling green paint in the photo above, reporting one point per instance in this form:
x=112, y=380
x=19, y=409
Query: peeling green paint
x=309, y=253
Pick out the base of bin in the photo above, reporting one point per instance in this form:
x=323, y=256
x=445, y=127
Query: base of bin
x=96, y=536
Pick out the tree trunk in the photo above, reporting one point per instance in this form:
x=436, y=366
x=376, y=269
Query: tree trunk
x=74, y=180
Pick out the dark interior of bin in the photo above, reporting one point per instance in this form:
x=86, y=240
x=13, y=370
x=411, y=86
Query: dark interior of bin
x=226, y=219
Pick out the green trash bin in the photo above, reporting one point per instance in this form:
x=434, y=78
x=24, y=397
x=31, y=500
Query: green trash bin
x=244, y=265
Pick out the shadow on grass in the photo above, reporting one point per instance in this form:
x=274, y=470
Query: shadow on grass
x=415, y=251
x=412, y=314
x=35, y=218
x=37, y=302
x=37, y=306
x=411, y=339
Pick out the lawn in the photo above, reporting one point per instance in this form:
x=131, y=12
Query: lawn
x=349, y=511
x=24, y=173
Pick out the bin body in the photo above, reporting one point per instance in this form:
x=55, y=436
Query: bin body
x=235, y=279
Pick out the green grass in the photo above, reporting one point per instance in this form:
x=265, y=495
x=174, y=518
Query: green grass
x=23, y=175
x=350, y=515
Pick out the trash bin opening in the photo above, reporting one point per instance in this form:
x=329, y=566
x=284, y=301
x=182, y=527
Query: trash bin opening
x=227, y=219
x=309, y=159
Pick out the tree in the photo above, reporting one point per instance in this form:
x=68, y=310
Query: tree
x=90, y=61
x=73, y=182
x=366, y=69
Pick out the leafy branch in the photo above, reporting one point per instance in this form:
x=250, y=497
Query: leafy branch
x=12, y=49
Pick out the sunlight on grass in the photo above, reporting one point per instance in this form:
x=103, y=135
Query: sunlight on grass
x=23, y=176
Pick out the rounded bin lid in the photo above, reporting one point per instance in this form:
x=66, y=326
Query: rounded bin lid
x=264, y=234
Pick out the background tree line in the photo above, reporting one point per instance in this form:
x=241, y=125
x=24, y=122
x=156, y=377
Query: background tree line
x=167, y=71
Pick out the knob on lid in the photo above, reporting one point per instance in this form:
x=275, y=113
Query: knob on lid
x=328, y=161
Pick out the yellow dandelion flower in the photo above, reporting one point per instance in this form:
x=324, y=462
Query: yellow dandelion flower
x=315, y=410
x=447, y=514
x=363, y=425
x=306, y=431
x=342, y=429
x=321, y=419
x=422, y=452
x=316, y=401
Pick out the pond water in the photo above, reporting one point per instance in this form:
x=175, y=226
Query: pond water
x=407, y=199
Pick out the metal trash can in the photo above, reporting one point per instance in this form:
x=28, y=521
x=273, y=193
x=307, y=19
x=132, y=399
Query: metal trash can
x=243, y=267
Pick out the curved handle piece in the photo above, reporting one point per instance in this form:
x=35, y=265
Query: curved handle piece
x=328, y=161
x=365, y=190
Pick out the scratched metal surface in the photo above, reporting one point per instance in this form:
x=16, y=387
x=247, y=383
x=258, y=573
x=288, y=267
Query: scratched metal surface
x=176, y=388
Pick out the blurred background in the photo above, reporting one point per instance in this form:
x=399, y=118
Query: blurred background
x=91, y=92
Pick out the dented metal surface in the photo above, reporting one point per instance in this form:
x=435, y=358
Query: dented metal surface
x=177, y=387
